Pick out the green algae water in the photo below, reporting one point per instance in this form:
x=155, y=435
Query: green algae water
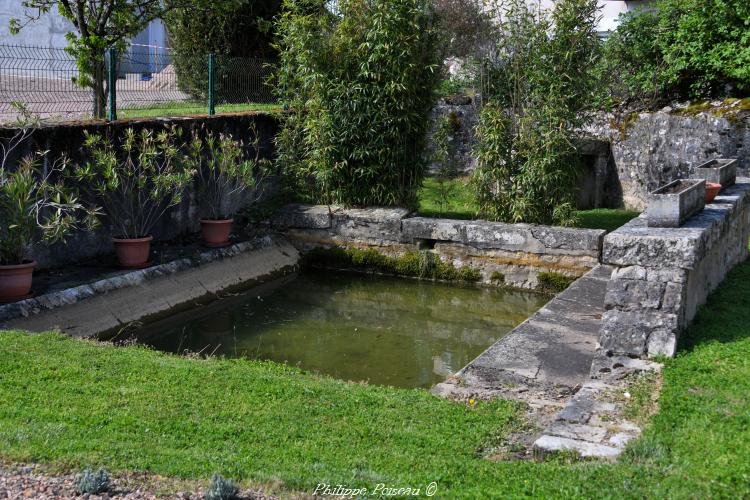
x=383, y=330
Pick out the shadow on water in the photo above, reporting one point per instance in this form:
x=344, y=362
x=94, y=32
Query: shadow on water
x=384, y=330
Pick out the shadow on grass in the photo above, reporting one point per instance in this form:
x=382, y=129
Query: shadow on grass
x=726, y=315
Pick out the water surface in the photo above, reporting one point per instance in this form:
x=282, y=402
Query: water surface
x=383, y=330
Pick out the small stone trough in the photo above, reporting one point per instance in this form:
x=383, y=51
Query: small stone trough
x=719, y=170
x=673, y=204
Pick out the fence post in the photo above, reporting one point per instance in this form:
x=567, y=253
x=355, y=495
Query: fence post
x=211, y=69
x=112, y=83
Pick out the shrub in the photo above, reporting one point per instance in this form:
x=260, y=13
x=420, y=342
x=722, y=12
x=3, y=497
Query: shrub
x=92, y=483
x=540, y=83
x=361, y=82
x=681, y=49
x=221, y=488
x=35, y=203
x=497, y=277
x=553, y=282
x=226, y=180
x=138, y=180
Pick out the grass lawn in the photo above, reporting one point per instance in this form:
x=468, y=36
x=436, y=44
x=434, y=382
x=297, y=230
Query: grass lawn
x=74, y=403
x=191, y=108
x=453, y=200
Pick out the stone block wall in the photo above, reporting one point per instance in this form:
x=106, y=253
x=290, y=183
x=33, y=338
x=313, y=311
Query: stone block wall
x=662, y=275
x=519, y=252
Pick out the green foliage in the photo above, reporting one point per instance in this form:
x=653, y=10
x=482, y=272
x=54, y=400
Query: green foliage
x=445, y=157
x=137, y=179
x=239, y=29
x=221, y=488
x=35, y=203
x=226, y=180
x=362, y=84
x=543, y=81
x=446, y=198
x=424, y=264
x=461, y=205
x=680, y=49
x=497, y=277
x=89, y=482
x=552, y=282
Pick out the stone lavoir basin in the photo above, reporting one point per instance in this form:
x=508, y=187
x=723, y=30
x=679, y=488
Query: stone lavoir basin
x=383, y=330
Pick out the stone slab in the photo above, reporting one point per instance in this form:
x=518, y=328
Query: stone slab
x=551, y=444
x=511, y=237
x=555, y=346
x=299, y=216
x=637, y=244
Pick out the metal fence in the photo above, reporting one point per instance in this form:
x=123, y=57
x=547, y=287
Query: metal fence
x=142, y=81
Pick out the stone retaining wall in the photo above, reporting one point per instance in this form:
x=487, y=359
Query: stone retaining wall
x=662, y=275
x=652, y=149
x=519, y=252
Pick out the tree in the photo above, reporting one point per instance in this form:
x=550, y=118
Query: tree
x=101, y=24
x=679, y=49
x=243, y=31
x=464, y=26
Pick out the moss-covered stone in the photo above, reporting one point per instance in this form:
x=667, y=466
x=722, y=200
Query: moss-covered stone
x=416, y=264
x=553, y=282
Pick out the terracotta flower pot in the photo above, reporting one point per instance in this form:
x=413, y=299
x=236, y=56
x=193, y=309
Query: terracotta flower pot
x=216, y=232
x=15, y=281
x=712, y=189
x=133, y=253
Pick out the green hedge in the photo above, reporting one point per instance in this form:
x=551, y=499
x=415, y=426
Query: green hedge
x=362, y=80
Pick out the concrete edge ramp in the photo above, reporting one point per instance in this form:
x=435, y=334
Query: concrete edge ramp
x=548, y=354
x=141, y=300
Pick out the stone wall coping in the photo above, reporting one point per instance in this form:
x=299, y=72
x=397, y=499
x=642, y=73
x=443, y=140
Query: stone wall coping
x=683, y=247
x=481, y=234
x=530, y=238
x=60, y=298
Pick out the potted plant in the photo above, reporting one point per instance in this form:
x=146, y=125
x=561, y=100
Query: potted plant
x=137, y=181
x=226, y=181
x=35, y=205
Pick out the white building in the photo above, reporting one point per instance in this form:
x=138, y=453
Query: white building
x=609, y=10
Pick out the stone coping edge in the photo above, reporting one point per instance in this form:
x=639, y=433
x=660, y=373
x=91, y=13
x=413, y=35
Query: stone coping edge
x=60, y=298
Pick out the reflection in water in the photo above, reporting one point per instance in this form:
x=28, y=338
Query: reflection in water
x=389, y=331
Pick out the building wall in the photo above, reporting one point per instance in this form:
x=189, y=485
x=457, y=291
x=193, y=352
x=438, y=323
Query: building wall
x=50, y=30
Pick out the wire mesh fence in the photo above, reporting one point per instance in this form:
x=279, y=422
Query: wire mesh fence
x=43, y=79
x=148, y=81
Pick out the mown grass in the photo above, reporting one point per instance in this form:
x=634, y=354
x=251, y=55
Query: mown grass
x=453, y=200
x=192, y=108
x=73, y=403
